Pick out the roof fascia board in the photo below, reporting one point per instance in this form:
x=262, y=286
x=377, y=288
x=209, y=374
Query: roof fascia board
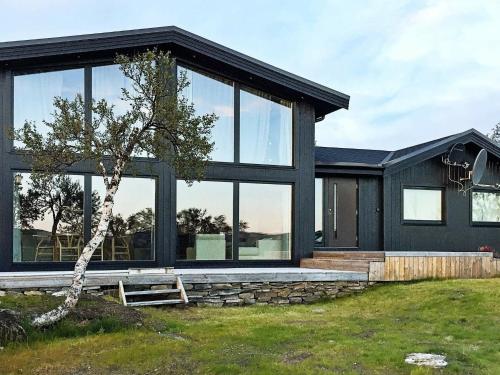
x=472, y=136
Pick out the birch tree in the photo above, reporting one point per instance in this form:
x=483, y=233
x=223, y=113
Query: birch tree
x=159, y=122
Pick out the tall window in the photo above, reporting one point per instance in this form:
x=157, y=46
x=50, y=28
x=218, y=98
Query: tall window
x=107, y=83
x=318, y=211
x=204, y=220
x=485, y=207
x=214, y=95
x=265, y=221
x=131, y=232
x=423, y=204
x=48, y=218
x=266, y=129
x=34, y=95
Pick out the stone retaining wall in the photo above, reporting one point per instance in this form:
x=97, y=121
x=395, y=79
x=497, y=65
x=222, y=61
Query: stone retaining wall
x=238, y=294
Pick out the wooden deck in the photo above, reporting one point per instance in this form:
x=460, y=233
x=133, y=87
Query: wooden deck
x=59, y=279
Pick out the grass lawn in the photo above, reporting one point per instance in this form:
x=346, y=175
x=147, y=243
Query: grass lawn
x=366, y=334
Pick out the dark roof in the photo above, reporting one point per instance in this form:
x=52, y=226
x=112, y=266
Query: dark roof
x=324, y=99
x=393, y=161
x=329, y=155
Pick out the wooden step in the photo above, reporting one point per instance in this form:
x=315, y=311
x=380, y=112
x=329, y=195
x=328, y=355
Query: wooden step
x=376, y=256
x=336, y=264
x=179, y=289
x=156, y=302
x=149, y=292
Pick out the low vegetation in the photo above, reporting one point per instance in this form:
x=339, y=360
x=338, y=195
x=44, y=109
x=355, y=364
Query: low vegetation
x=370, y=333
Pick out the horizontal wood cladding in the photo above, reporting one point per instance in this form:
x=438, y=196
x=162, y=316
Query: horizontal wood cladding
x=406, y=268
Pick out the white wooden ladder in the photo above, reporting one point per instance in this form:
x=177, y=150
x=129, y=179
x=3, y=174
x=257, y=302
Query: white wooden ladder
x=163, y=295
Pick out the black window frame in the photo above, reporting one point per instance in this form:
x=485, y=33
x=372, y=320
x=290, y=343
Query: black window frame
x=442, y=222
x=473, y=223
x=236, y=222
x=296, y=175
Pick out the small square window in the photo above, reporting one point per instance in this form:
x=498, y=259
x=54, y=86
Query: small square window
x=485, y=207
x=423, y=204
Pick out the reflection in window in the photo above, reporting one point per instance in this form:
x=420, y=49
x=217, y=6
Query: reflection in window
x=265, y=221
x=210, y=95
x=485, y=207
x=422, y=204
x=107, y=83
x=48, y=218
x=318, y=211
x=266, y=129
x=34, y=95
x=204, y=220
x=131, y=232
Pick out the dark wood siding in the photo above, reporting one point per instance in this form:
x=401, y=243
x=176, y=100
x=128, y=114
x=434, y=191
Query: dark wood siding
x=456, y=233
x=370, y=213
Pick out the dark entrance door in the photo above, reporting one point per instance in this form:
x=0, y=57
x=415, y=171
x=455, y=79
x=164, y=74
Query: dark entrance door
x=341, y=226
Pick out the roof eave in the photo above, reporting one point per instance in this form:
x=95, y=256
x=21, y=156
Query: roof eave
x=326, y=100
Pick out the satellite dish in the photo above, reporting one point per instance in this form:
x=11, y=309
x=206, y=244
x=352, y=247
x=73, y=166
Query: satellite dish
x=479, y=167
x=456, y=155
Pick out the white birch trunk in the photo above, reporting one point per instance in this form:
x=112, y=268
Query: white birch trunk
x=81, y=264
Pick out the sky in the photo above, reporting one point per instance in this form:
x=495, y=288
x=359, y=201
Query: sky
x=415, y=70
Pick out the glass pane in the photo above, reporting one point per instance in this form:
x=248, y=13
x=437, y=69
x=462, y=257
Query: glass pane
x=211, y=95
x=265, y=221
x=107, y=83
x=204, y=220
x=48, y=218
x=34, y=95
x=318, y=211
x=266, y=129
x=131, y=232
x=485, y=207
x=423, y=204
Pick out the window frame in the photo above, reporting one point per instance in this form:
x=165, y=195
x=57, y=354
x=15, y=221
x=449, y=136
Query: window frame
x=165, y=252
x=442, y=189
x=235, y=261
x=474, y=223
x=238, y=86
x=87, y=227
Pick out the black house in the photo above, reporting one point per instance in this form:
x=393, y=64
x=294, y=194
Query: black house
x=256, y=206
x=410, y=199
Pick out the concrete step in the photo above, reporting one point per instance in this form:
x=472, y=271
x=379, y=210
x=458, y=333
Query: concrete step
x=376, y=256
x=336, y=264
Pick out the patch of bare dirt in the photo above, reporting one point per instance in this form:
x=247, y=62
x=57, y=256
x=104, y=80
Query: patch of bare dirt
x=95, y=307
x=296, y=357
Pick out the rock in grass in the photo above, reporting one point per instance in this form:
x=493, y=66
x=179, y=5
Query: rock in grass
x=426, y=359
x=10, y=327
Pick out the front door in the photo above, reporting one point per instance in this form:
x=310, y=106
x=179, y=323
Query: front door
x=341, y=226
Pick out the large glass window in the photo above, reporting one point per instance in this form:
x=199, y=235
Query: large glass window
x=318, y=211
x=204, y=220
x=214, y=95
x=131, y=232
x=34, y=95
x=486, y=207
x=48, y=218
x=423, y=204
x=107, y=83
x=265, y=221
x=265, y=129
